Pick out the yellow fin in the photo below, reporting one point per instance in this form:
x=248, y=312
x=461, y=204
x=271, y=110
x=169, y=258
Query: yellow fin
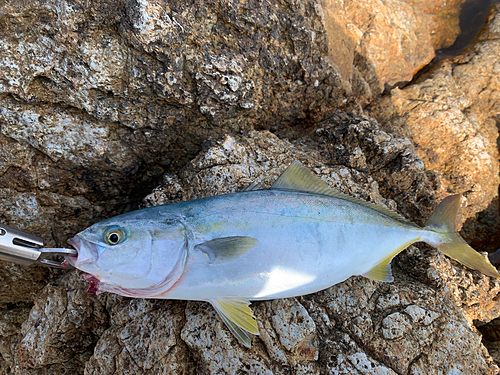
x=460, y=250
x=443, y=221
x=383, y=271
x=238, y=317
x=227, y=248
x=299, y=178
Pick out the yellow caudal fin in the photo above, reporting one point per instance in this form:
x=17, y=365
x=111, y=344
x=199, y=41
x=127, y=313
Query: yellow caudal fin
x=443, y=221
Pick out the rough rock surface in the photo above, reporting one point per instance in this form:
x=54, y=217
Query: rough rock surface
x=98, y=99
x=451, y=116
x=359, y=326
x=378, y=43
x=61, y=330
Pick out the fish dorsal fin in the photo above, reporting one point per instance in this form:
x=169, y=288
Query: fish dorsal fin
x=238, y=317
x=227, y=248
x=299, y=178
x=253, y=186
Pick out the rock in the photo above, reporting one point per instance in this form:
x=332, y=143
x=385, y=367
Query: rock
x=144, y=337
x=11, y=320
x=450, y=115
x=377, y=44
x=100, y=99
x=84, y=86
x=24, y=282
x=61, y=330
x=444, y=21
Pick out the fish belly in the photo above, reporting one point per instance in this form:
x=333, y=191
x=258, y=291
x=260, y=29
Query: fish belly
x=305, y=244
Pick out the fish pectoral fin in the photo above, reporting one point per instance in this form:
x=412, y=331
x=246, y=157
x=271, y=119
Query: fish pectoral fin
x=381, y=272
x=238, y=317
x=227, y=248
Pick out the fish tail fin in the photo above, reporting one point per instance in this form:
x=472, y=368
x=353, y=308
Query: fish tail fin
x=442, y=221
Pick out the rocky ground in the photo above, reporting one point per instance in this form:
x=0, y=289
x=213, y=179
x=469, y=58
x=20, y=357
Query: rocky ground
x=102, y=101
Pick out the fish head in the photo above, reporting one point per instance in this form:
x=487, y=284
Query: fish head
x=130, y=256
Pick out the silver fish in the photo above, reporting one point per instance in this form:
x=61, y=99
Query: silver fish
x=298, y=237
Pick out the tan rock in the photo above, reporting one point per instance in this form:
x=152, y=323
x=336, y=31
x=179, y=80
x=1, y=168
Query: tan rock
x=451, y=117
x=377, y=44
x=444, y=20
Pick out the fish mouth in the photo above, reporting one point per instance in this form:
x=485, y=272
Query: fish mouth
x=86, y=252
x=75, y=244
x=84, y=260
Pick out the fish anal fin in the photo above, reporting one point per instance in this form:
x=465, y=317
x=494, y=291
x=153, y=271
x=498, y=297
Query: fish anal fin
x=227, y=248
x=383, y=271
x=238, y=317
x=299, y=178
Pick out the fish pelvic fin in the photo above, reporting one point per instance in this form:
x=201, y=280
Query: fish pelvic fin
x=238, y=317
x=443, y=221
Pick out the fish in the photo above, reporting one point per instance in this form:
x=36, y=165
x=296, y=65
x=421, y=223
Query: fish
x=296, y=238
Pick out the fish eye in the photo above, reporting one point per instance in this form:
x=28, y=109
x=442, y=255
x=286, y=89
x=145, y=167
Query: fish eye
x=114, y=236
